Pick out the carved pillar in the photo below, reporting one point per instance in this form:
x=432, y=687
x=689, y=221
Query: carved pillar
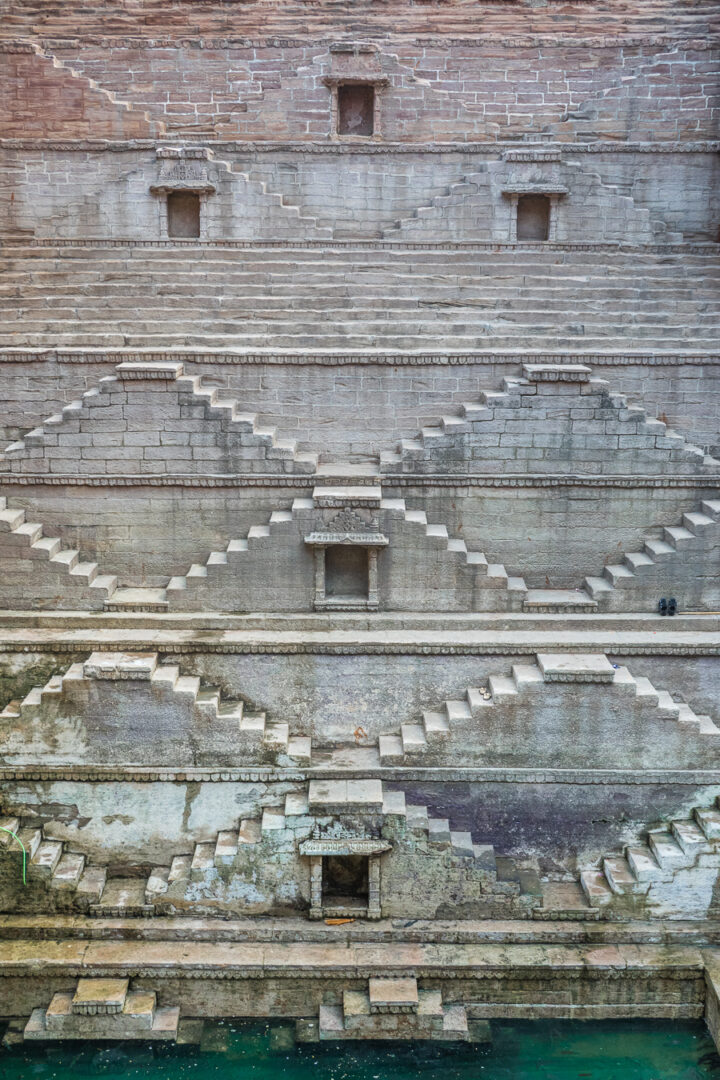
x=552, y=217
x=316, y=886
x=319, y=574
x=374, y=909
x=373, y=599
x=512, y=237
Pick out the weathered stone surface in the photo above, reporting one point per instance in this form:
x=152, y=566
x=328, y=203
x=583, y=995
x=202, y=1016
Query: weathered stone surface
x=359, y=413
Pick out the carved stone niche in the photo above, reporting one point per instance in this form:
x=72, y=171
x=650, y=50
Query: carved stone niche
x=346, y=550
x=355, y=82
x=345, y=876
x=533, y=188
x=533, y=211
x=184, y=186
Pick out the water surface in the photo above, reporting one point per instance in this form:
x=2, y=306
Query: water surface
x=537, y=1050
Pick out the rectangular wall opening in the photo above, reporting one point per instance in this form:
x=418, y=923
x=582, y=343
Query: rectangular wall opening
x=533, y=217
x=356, y=109
x=346, y=572
x=183, y=213
x=345, y=881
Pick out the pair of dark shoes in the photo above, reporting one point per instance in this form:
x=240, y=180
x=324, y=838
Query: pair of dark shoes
x=668, y=607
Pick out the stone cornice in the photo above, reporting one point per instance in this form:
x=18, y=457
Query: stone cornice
x=430, y=774
x=706, y=481
x=325, y=359
x=279, y=647
x=675, y=37
x=705, y=247
x=345, y=148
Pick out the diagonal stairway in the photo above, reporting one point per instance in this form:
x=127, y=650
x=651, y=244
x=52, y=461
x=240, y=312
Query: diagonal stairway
x=431, y=737
x=671, y=872
x=252, y=734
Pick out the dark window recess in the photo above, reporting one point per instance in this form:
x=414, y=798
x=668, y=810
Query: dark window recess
x=183, y=211
x=533, y=217
x=346, y=571
x=345, y=877
x=356, y=110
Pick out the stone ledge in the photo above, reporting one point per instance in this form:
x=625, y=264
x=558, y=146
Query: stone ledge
x=364, y=357
x=292, y=930
x=600, y=146
x=705, y=247
x=705, y=480
x=342, y=960
x=388, y=773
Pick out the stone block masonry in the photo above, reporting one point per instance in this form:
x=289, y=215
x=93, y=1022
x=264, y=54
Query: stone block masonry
x=332, y=536
x=262, y=93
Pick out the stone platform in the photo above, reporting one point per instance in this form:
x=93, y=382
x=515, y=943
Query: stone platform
x=103, y=1009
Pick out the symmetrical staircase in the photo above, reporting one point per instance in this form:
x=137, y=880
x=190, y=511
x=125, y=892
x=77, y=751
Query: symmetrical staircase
x=457, y=214
x=460, y=720
x=482, y=424
x=103, y=1009
x=251, y=735
x=68, y=882
x=235, y=431
x=671, y=874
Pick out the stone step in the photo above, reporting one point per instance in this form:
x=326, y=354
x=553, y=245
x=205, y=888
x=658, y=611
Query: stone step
x=122, y=898
x=666, y=851
x=68, y=872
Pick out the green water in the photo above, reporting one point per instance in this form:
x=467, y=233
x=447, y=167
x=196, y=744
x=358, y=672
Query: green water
x=542, y=1050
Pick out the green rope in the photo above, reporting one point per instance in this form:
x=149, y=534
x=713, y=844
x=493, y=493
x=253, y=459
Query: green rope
x=15, y=835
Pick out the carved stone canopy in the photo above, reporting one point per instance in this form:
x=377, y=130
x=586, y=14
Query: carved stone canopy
x=347, y=527
x=182, y=175
x=549, y=188
x=355, y=78
x=344, y=846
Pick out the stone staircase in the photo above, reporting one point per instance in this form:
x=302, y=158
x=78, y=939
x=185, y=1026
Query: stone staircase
x=671, y=874
x=67, y=882
x=492, y=575
x=358, y=296
x=24, y=545
x=249, y=733
x=465, y=721
x=456, y=215
x=56, y=437
x=389, y=1009
x=658, y=569
x=438, y=213
x=299, y=226
x=103, y=1009
x=146, y=125
x=482, y=424
x=230, y=560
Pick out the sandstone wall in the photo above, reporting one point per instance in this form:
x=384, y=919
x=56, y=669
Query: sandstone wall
x=631, y=197
x=465, y=91
x=352, y=410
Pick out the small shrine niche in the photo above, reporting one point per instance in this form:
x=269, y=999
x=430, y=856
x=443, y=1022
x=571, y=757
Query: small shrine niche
x=346, y=552
x=356, y=109
x=355, y=81
x=534, y=210
x=345, y=881
x=533, y=217
x=183, y=214
x=346, y=572
x=183, y=185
